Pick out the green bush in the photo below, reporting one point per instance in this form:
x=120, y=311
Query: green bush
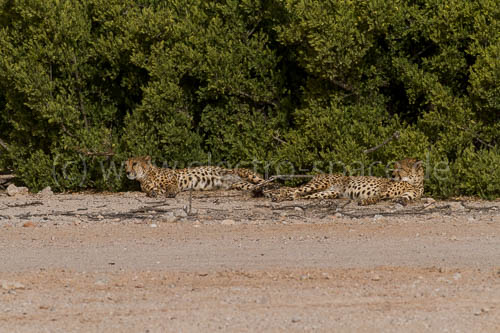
x=477, y=173
x=285, y=86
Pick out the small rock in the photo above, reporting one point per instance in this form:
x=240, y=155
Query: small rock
x=13, y=190
x=295, y=320
x=298, y=209
x=398, y=206
x=228, y=222
x=11, y=285
x=481, y=311
x=456, y=206
x=181, y=213
x=153, y=225
x=338, y=215
x=377, y=217
x=170, y=218
x=429, y=200
x=101, y=282
x=100, y=217
x=457, y=276
x=29, y=224
x=376, y=278
x=46, y=192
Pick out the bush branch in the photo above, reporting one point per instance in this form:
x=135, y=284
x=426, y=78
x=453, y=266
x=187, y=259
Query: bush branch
x=4, y=144
x=476, y=136
x=94, y=153
x=394, y=136
x=277, y=138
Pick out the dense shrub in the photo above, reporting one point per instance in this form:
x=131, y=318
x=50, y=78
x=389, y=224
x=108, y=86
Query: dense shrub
x=286, y=86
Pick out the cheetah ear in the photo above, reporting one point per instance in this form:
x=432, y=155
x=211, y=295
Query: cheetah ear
x=147, y=158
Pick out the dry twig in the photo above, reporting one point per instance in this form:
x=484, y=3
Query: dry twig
x=5, y=179
x=96, y=216
x=394, y=136
x=188, y=208
x=4, y=144
x=94, y=153
x=27, y=204
x=476, y=136
x=277, y=138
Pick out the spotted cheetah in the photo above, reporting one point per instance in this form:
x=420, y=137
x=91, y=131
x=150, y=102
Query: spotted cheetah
x=156, y=181
x=406, y=185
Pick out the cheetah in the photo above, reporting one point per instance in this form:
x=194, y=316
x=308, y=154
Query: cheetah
x=156, y=181
x=406, y=185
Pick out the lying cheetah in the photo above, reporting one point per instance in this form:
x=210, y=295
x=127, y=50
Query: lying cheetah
x=406, y=185
x=157, y=181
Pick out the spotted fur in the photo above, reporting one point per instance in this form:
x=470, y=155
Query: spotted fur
x=156, y=181
x=406, y=185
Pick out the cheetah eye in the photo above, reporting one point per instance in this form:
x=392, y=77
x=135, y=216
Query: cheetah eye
x=134, y=164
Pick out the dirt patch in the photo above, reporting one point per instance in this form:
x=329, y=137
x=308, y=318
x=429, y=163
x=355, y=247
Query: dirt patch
x=124, y=262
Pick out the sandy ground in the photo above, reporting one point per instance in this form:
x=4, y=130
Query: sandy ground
x=127, y=263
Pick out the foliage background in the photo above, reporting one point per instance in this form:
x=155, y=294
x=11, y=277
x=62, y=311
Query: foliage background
x=276, y=85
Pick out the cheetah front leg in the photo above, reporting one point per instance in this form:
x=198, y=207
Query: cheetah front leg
x=171, y=191
x=316, y=184
x=404, y=198
x=282, y=194
x=278, y=194
x=327, y=194
x=150, y=190
x=262, y=188
x=307, y=190
x=244, y=186
x=370, y=201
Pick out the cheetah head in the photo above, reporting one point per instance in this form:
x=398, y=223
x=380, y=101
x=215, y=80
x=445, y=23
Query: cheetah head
x=409, y=170
x=136, y=167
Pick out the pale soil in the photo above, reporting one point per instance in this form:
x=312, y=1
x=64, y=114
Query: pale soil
x=127, y=263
